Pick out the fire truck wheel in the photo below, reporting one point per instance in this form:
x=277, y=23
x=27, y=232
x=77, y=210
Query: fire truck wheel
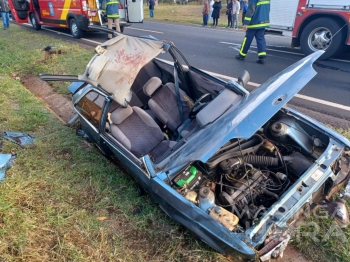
x=321, y=34
x=34, y=22
x=75, y=29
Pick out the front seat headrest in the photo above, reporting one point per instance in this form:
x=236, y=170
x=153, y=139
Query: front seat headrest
x=152, y=85
x=120, y=114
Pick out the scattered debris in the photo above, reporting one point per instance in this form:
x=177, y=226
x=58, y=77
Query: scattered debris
x=80, y=132
x=274, y=248
x=137, y=210
x=337, y=210
x=102, y=218
x=48, y=51
x=48, y=48
x=5, y=163
x=18, y=138
x=347, y=190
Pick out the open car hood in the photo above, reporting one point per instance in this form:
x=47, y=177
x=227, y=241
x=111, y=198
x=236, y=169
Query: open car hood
x=117, y=64
x=244, y=120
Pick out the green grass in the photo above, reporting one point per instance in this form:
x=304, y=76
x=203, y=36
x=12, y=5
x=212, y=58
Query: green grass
x=57, y=189
x=22, y=54
x=184, y=14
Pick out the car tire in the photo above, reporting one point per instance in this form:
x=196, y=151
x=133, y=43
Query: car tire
x=75, y=29
x=34, y=21
x=322, y=29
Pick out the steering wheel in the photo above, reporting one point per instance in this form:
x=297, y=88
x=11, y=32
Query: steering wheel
x=197, y=106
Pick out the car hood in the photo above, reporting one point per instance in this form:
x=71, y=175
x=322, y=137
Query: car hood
x=117, y=63
x=244, y=120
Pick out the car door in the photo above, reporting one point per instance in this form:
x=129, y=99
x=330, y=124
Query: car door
x=20, y=10
x=90, y=109
x=93, y=108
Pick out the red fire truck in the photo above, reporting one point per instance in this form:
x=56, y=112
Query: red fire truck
x=313, y=24
x=77, y=15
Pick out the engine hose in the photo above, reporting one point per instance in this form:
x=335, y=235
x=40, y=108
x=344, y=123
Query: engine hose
x=261, y=160
x=226, y=166
x=247, y=147
x=269, y=193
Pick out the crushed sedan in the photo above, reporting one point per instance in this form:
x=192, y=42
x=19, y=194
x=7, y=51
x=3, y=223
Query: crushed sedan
x=237, y=169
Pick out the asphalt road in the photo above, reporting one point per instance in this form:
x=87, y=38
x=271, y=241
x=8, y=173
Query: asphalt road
x=326, y=97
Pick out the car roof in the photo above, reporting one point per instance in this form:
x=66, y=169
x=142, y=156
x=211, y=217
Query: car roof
x=117, y=63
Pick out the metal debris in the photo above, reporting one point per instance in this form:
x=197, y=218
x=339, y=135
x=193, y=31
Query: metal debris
x=337, y=210
x=18, y=138
x=279, y=244
x=5, y=163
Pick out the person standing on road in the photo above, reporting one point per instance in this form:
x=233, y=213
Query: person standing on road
x=211, y=10
x=255, y=22
x=205, y=12
x=229, y=14
x=151, y=8
x=5, y=9
x=234, y=13
x=216, y=12
x=244, y=10
x=112, y=13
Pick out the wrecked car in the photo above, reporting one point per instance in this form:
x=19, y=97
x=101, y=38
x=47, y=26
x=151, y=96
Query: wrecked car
x=235, y=168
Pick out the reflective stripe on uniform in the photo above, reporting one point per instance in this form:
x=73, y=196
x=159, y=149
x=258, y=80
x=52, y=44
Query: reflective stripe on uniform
x=248, y=18
x=263, y=3
x=259, y=25
x=262, y=53
x=111, y=3
x=113, y=16
x=241, y=50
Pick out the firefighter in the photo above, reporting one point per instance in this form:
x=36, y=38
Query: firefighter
x=255, y=22
x=112, y=13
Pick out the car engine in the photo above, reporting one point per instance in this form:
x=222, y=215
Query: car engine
x=245, y=177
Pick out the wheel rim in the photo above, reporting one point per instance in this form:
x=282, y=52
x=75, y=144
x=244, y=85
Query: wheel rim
x=33, y=21
x=320, y=39
x=74, y=28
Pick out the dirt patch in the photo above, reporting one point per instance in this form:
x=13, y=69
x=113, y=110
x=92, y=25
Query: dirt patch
x=60, y=105
x=291, y=254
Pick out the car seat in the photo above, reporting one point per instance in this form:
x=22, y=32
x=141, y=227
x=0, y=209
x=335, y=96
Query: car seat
x=138, y=132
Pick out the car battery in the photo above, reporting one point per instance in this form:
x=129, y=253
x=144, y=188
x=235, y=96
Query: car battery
x=190, y=178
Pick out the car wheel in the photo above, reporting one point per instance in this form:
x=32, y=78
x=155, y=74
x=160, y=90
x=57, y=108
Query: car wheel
x=75, y=29
x=34, y=22
x=321, y=34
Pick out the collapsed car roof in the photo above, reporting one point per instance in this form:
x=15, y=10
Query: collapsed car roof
x=117, y=63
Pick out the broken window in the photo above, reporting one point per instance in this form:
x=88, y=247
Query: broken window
x=90, y=106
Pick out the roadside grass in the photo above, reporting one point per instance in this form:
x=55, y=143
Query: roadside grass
x=61, y=200
x=185, y=14
x=25, y=57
